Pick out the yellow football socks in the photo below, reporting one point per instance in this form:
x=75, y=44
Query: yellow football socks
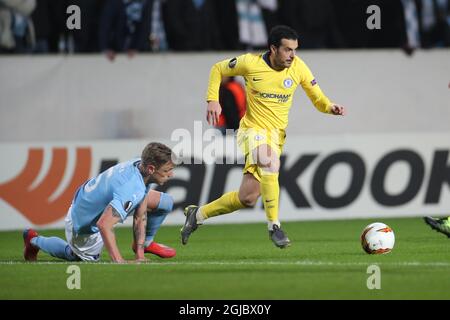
x=227, y=203
x=270, y=191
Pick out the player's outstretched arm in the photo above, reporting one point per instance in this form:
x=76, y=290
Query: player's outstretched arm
x=105, y=224
x=338, y=110
x=213, y=111
x=139, y=224
x=237, y=66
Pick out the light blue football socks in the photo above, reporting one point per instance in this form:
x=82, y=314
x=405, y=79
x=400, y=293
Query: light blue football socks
x=56, y=247
x=157, y=217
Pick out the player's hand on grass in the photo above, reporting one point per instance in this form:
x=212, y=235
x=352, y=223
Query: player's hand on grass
x=140, y=260
x=119, y=261
x=136, y=261
x=338, y=110
x=139, y=257
x=212, y=112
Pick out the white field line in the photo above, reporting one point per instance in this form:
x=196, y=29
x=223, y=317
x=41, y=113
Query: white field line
x=243, y=263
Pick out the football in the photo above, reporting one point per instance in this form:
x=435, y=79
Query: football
x=377, y=238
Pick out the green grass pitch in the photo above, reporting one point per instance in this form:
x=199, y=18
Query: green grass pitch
x=325, y=261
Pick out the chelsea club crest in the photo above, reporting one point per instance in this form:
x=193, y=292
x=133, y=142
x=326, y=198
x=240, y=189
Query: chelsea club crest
x=287, y=83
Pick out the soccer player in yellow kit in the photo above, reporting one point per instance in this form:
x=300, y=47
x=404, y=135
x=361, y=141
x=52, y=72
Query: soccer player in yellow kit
x=270, y=79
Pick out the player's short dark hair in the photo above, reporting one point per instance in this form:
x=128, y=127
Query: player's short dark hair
x=281, y=32
x=157, y=154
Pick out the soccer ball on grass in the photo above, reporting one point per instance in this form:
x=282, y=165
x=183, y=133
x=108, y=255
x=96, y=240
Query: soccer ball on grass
x=377, y=238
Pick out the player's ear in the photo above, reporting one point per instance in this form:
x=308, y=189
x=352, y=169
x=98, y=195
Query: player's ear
x=273, y=49
x=151, y=169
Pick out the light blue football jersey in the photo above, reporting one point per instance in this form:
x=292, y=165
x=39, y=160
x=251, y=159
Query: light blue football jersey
x=121, y=186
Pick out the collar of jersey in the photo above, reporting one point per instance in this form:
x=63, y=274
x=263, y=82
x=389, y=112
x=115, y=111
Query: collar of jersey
x=136, y=164
x=266, y=58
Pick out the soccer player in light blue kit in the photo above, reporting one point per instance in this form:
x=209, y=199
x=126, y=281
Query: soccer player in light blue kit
x=107, y=199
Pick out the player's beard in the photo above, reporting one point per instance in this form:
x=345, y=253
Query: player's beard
x=281, y=64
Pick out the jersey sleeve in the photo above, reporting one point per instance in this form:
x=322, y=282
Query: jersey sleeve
x=313, y=91
x=124, y=200
x=227, y=68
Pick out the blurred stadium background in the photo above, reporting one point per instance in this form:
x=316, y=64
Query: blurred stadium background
x=74, y=102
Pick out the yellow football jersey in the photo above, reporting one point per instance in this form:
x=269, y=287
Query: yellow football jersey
x=269, y=92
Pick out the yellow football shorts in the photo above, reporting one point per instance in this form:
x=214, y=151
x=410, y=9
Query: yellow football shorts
x=250, y=138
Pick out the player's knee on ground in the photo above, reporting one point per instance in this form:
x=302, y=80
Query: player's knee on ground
x=70, y=255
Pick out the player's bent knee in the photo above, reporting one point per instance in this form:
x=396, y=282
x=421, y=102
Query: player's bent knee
x=275, y=165
x=272, y=165
x=249, y=200
x=165, y=203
